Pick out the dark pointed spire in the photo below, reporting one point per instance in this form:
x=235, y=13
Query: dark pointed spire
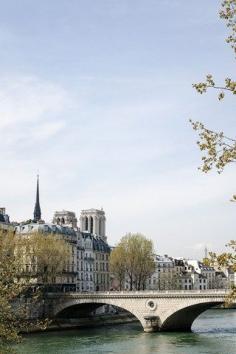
x=37, y=209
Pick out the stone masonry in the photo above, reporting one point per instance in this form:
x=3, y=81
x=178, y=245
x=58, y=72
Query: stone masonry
x=156, y=311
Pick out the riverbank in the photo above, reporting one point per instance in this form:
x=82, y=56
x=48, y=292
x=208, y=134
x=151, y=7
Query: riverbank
x=88, y=322
x=93, y=321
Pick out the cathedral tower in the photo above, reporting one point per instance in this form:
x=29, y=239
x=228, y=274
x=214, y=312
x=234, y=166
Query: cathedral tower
x=94, y=222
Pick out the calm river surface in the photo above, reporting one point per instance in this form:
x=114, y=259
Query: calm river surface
x=214, y=332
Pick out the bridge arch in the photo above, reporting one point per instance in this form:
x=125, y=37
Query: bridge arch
x=94, y=304
x=182, y=317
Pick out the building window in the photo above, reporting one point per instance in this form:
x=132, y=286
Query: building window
x=100, y=227
x=91, y=224
x=86, y=223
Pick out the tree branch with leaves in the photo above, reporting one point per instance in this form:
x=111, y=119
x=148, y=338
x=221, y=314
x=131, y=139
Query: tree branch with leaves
x=218, y=149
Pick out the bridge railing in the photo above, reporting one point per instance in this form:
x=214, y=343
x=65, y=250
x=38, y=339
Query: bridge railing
x=210, y=291
x=154, y=292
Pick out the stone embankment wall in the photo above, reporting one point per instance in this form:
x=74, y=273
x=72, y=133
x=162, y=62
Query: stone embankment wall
x=88, y=322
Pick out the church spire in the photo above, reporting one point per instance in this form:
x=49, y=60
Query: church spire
x=37, y=209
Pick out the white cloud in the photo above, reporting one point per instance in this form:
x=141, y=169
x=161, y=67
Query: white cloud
x=46, y=130
x=29, y=100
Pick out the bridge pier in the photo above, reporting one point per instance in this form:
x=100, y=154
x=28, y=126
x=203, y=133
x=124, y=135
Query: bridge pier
x=151, y=324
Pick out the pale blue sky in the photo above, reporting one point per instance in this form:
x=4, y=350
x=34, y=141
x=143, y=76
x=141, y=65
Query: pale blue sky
x=97, y=96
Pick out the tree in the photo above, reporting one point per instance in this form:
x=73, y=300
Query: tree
x=12, y=288
x=225, y=260
x=218, y=149
x=48, y=257
x=227, y=13
x=22, y=260
x=133, y=259
x=117, y=265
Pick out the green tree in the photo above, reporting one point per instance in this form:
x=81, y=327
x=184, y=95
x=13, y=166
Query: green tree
x=218, y=149
x=225, y=260
x=117, y=265
x=48, y=256
x=23, y=262
x=12, y=289
x=133, y=259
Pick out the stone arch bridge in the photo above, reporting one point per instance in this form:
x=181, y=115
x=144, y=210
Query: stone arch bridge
x=156, y=310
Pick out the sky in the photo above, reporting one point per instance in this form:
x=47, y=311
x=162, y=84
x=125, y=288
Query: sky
x=97, y=97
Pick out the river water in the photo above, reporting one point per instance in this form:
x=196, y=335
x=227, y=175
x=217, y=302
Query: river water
x=214, y=332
